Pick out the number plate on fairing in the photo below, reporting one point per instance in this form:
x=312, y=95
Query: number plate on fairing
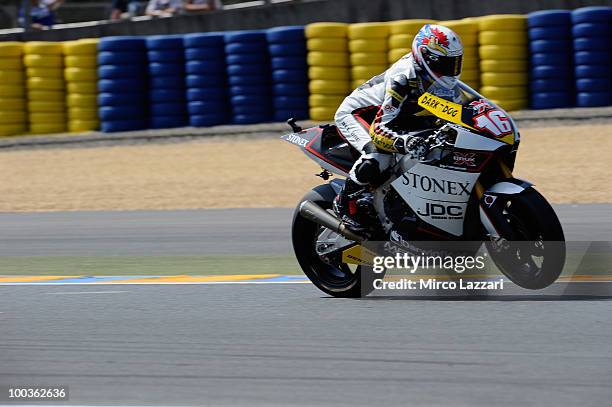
x=438, y=196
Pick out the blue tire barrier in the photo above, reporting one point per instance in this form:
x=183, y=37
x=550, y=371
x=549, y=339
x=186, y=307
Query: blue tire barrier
x=551, y=100
x=167, y=82
x=244, y=59
x=167, y=122
x=592, y=99
x=123, y=125
x=288, y=63
x=549, y=18
x=288, y=49
x=121, y=58
x=119, y=71
x=122, y=43
x=247, y=69
x=549, y=33
x=549, y=46
x=249, y=118
x=551, y=85
x=166, y=69
x=204, y=54
x=590, y=44
x=202, y=81
x=122, y=85
x=591, y=15
x=248, y=100
x=289, y=75
x=293, y=33
x=290, y=89
x=563, y=59
x=167, y=55
x=207, y=94
x=168, y=109
x=298, y=114
x=171, y=42
x=215, y=67
x=593, y=85
x=591, y=30
x=206, y=108
x=120, y=99
x=247, y=36
x=290, y=102
x=247, y=79
x=204, y=40
x=253, y=89
x=592, y=57
x=593, y=71
x=550, y=71
x=252, y=110
x=242, y=48
x=207, y=120
x=167, y=95
x=110, y=113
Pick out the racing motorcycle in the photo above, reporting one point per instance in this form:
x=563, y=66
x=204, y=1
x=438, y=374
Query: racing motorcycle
x=461, y=190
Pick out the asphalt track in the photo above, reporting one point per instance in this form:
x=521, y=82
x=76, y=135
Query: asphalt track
x=251, y=345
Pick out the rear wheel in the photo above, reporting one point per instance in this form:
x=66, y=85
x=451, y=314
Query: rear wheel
x=535, y=257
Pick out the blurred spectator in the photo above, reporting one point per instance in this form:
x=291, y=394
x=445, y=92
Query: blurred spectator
x=194, y=6
x=119, y=7
x=42, y=13
x=163, y=8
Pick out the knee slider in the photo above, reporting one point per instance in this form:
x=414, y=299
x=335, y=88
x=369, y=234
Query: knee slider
x=368, y=171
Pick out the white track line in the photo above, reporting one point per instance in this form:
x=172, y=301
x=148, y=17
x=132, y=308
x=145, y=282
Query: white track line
x=87, y=292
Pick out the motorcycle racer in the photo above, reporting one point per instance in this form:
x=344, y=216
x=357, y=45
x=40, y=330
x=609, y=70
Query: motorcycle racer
x=383, y=117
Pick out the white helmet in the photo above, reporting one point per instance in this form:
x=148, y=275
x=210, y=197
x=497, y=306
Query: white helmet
x=439, y=53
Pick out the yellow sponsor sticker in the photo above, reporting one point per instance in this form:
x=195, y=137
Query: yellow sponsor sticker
x=358, y=255
x=443, y=108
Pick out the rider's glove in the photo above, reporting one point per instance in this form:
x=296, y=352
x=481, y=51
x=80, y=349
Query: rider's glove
x=412, y=146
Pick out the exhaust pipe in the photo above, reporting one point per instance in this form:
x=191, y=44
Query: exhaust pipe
x=315, y=213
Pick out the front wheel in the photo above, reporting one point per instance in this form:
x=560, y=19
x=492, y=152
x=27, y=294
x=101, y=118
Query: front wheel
x=535, y=257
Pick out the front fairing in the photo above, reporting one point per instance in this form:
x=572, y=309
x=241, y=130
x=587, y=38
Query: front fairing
x=464, y=106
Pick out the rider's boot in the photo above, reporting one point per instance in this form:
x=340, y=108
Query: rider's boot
x=349, y=202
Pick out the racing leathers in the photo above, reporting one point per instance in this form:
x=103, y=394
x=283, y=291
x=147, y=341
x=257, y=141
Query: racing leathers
x=380, y=118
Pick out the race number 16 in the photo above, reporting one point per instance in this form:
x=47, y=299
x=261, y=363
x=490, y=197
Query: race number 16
x=494, y=122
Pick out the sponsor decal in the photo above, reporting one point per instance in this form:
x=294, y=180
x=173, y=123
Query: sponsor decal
x=489, y=200
x=295, y=139
x=481, y=105
x=464, y=159
x=430, y=184
x=441, y=211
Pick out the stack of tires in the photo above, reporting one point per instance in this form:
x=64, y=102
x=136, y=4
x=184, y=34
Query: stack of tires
x=81, y=75
x=248, y=72
x=503, y=60
x=551, y=59
x=401, y=34
x=368, y=44
x=13, y=116
x=44, y=63
x=328, y=68
x=592, y=29
x=287, y=47
x=167, y=106
x=467, y=30
x=207, y=95
x=123, y=84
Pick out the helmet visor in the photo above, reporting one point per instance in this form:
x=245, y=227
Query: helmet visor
x=444, y=66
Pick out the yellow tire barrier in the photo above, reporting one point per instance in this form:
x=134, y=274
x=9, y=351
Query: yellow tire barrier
x=470, y=64
x=82, y=87
x=367, y=71
x=410, y=27
x=355, y=83
x=368, y=30
x=81, y=100
x=40, y=83
x=322, y=114
x=11, y=91
x=461, y=27
x=47, y=128
x=471, y=53
x=400, y=41
x=46, y=96
x=492, y=65
x=321, y=100
x=11, y=49
x=87, y=46
x=504, y=79
x=13, y=77
x=504, y=92
x=43, y=61
x=75, y=126
x=11, y=63
x=317, y=58
x=43, y=48
x=52, y=117
x=82, y=114
x=12, y=129
x=372, y=58
x=327, y=44
x=470, y=75
x=329, y=87
x=12, y=104
x=55, y=73
x=470, y=40
x=44, y=106
x=12, y=117
x=80, y=74
x=368, y=45
x=331, y=73
x=81, y=61
x=511, y=104
x=508, y=22
x=397, y=53
x=503, y=52
x=326, y=30
x=502, y=38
